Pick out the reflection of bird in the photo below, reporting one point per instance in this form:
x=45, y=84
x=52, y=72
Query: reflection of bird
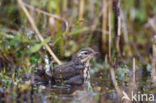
x=74, y=72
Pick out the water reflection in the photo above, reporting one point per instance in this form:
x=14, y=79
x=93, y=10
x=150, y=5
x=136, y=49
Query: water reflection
x=97, y=93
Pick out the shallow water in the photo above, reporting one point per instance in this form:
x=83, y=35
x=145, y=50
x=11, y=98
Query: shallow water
x=99, y=90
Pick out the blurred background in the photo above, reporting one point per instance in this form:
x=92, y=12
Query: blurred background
x=118, y=29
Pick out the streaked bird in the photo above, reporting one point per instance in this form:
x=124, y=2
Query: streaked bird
x=75, y=72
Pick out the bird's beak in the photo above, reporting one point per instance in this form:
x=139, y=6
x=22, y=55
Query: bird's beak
x=95, y=53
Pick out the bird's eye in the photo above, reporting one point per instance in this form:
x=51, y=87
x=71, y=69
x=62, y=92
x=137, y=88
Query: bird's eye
x=86, y=53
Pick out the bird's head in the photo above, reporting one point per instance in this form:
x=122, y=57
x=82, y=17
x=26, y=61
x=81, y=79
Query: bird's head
x=84, y=55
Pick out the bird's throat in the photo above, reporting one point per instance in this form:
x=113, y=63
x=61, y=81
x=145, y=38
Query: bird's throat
x=86, y=72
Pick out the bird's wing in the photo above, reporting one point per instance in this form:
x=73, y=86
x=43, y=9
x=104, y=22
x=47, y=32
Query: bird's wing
x=75, y=80
x=66, y=71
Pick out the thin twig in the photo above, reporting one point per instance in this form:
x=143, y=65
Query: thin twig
x=20, y=3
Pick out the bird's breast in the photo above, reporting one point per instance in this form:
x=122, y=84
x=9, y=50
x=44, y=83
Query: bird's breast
x=86, y=73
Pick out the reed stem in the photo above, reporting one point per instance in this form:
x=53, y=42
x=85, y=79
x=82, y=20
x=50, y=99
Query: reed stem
x=20, y=3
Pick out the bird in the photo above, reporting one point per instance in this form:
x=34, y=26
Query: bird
x=74, y=72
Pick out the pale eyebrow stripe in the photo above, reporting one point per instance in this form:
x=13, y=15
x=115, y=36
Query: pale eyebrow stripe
x=81, y=52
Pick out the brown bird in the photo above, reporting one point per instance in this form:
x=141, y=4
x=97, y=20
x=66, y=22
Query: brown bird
x=74, y=72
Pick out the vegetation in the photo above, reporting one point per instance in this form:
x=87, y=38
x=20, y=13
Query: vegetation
x=40, y=33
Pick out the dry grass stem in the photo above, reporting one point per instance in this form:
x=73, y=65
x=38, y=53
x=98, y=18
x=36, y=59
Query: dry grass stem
x=153, y=70
x=81, y=11
x=110, y=28
x=20, y=3
x=104, y=26
x=133, y=70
